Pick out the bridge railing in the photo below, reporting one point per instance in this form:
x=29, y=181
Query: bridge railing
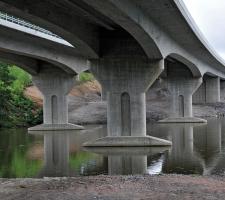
x=23, y=23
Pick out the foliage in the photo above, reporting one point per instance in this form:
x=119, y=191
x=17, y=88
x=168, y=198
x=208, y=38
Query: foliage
x=15, y=108
x=22, y=79
x=85, y=76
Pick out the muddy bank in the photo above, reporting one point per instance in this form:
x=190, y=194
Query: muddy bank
x=166, y=187
x=86, y=107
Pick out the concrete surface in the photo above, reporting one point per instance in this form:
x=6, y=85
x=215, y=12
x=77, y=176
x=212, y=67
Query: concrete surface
x=127, y=141
x=126, y=83
x=183, y=120
x=54, y=85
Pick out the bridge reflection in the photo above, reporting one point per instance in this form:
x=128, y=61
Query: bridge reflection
x=196, y=149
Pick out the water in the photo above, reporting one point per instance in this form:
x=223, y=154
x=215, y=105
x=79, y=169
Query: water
x=197, y=149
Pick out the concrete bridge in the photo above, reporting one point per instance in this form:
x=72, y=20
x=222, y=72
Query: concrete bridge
x=128, y=45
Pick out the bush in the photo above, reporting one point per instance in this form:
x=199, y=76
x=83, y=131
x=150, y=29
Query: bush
x=85, y=76
x=15, y=108
x=22, y=79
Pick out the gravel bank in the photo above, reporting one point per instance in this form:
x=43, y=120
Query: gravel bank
x=168, y=187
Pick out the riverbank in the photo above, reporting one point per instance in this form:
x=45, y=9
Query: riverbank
x=86, y=107
x=163, y=187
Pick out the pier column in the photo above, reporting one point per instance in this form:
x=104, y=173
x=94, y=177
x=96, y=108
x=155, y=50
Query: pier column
x=103, y=93
x=55, y=85
x=222, y=91
x=212, y=89
x=126, y=81
x=181, y=90
x=209, y=91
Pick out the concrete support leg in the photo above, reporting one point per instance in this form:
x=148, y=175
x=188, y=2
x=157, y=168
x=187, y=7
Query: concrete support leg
x=55, y=85
x=126, y=81
x=212, y=89
x=181, y=90
x=103, y=94
x=209, y=91
x=222, y=91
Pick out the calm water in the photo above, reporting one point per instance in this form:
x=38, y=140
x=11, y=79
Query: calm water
x=197, y=149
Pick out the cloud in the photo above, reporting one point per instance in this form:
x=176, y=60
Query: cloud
x=210, y=17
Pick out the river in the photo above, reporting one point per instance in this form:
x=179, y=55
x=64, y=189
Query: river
x=197, y=149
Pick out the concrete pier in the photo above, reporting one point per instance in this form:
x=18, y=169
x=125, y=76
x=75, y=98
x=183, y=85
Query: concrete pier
x=126, y=81
x=55, y=85
x=181, y=102
x=181, y=84
x=209, y=91
x=222, y=91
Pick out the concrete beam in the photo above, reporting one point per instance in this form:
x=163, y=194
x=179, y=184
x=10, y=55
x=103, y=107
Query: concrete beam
x=28, y=64
x=130, y=18
x=67, y=58
x=63, y=22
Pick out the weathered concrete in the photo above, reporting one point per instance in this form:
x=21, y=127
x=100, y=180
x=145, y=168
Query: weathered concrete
x=128, y=141
x=181, y=85
x=222, y=91
x=181, y=102
x=103, y=93
x=55, y=85
x=209, y=91
x=38, y=51
x=106, y=151
x=212, y=89
x=126, y=81
x=143, y=20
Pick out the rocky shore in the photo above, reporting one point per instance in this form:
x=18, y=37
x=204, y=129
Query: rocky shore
x=163, y=187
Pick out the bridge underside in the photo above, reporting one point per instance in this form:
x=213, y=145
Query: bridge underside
x=126, y=44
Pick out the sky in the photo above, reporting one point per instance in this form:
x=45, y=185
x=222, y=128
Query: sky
x=209, y=15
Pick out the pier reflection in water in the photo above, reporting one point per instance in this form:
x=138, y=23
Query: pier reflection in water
x=196, y=149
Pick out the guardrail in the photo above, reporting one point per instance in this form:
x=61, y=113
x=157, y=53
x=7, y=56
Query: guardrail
x=23, y=23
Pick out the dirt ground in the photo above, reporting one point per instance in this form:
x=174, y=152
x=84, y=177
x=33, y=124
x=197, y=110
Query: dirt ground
x=165, y=187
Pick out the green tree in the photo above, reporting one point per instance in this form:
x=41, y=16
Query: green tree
x=5, y=94
x=15, y=108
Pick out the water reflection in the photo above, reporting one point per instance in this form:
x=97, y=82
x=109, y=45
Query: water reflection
x=182, y=158
x=208, y=145
x=56, y=154
x=196, y=149
x=128, y=160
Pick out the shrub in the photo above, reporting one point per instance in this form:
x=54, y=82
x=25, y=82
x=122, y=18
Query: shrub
x=15, y=108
